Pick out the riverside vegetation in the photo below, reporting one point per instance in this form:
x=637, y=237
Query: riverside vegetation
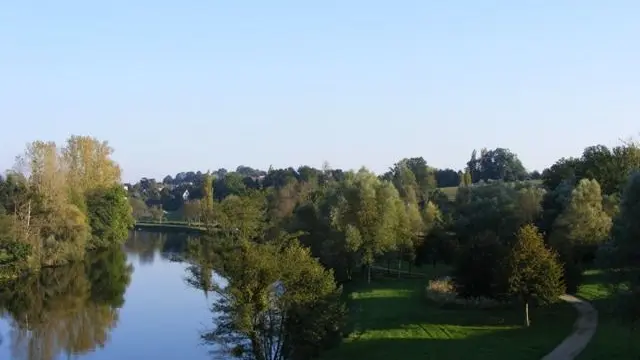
x=59, y=202
x=349, y=264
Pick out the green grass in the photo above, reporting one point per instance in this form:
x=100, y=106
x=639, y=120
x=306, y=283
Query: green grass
x=390, y=319
x=451, y=191
x=613, y=339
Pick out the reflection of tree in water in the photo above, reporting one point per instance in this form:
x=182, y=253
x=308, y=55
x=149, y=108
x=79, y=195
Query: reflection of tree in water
x=145, y=244
x=69, y=309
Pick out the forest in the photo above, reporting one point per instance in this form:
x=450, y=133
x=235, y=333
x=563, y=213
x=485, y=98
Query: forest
x=300, y=247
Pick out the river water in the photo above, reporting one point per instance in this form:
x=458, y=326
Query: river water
x=132, y=303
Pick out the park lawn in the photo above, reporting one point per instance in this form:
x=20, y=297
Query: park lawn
x=612, y=340
x=390, y=319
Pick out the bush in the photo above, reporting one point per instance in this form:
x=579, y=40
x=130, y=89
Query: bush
x=442, y=292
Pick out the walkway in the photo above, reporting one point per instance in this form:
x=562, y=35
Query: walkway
x=583, y=330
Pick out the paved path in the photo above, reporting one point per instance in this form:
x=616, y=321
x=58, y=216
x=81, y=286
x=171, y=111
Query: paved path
x=583, y=330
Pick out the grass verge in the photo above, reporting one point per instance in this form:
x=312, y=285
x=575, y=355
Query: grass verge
x=391, y=319
x=613, y=340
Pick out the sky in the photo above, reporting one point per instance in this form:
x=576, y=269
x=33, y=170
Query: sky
x=202, y=84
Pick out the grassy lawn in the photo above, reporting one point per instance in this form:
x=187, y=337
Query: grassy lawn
x=392, y=320
x=612, y=340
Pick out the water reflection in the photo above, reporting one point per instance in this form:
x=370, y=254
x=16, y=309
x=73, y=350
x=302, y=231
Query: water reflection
x=148, y=245
x=66, y=310
x=130, y=303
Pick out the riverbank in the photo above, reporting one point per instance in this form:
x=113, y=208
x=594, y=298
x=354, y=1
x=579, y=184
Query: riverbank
x=390, y=318
x=170, y=227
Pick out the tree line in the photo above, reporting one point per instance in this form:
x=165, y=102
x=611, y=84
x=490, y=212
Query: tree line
x=58, y=202
x=150, y=198
x=515, y=241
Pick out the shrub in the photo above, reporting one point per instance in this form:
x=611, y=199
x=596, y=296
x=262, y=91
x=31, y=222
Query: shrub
x=442, y=292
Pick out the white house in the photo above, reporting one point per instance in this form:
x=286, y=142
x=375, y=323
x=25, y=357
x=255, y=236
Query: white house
x=185, y=195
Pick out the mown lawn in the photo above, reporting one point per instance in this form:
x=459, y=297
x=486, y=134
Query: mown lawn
x=613, y=339
x=392, y=320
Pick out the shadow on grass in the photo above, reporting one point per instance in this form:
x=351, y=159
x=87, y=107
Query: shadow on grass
x=491, y=345
x=614, y=338
x=391, y=319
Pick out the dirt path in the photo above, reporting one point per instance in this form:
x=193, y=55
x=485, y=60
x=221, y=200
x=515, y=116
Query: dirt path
x=583, y=330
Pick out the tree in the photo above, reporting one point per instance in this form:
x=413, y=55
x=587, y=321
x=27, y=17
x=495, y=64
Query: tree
x=625, y=252
x=207, y=202
x=364, y=216
x=534, y=271
x=242, y=217
x=496, y=164
x=192, y=211
x=110, y=216
x=479, y=269
x=88, y=165
x=581, y=227
x=279, y=304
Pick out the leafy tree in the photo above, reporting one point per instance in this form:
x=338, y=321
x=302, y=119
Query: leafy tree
x=624, y=253
x=479, y=267
x=496, y=164
x=365, y=216
x=207, y=202
x=109, y=215
x=139, y=209
x=447, y=177
x=580, y=229
x=241, y=217
x=279, y=304
x=534, y=271
x=567, y=170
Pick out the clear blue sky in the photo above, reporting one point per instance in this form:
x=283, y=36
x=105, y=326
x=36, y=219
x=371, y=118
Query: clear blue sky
x=182, y=85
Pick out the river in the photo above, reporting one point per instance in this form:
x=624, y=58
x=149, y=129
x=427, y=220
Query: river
x=124, y=304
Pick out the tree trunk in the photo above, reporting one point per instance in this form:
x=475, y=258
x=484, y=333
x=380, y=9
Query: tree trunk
x=399, y=267
x=527, y=323
x=410, y=266
x=388, y=266
x=369, y=274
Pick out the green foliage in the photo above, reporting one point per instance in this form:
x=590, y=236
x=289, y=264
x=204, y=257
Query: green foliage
x=109, y=215
x=577, y=232
x=242, y=217
x=479, y=269
x=207, y=201
x=610, y=167
x=496, y=164
x=534, y=271
x=368, y=210
x=279, y=303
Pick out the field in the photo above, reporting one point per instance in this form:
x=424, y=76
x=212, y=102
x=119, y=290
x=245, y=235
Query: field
x=613, y=340
x=451, y=191
x=390, y=319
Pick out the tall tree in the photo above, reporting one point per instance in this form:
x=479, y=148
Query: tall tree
x=534, y=272
x=207, y=199
x=580, y=229
x=365, y=216
x=110, y=216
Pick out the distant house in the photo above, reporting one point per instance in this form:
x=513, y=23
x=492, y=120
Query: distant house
x=185, y=195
